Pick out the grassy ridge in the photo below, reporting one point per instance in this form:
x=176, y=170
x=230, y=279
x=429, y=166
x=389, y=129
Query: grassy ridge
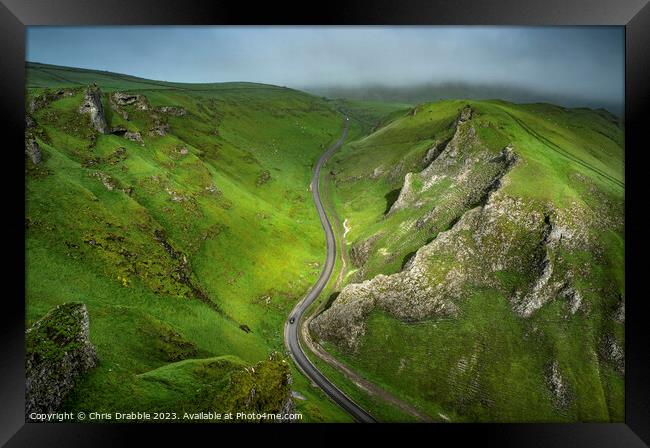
x=489, y=364
x=190, y=245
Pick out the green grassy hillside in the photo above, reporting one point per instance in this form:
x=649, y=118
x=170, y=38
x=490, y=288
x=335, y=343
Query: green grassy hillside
x=486, y=280
x=483, y=264
x=188, y=245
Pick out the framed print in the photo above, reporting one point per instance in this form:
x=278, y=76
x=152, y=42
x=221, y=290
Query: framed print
x=382, y=215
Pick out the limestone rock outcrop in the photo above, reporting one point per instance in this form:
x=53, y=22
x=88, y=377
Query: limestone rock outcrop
x=92, y=105
x=33, y=150
x=59, y=352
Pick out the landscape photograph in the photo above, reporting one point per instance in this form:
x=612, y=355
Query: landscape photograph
x=324, y=224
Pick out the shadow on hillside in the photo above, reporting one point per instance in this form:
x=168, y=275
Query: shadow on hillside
x=408, y=257
x=331, y=299
x=391, y=197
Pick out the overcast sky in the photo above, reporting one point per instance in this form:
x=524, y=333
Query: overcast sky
x=585, y=62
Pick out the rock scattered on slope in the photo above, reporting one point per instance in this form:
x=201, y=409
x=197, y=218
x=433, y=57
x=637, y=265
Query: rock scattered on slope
x=59, y=352
x=263, y=178
x=106, y=180
x=133, y=136
x=92, y=105
x=127, y=99
x=160, y=129
x=118, y=100
x=172, y=110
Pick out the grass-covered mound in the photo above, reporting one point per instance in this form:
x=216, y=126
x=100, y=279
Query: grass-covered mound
x=217, y=385
x=58, y=353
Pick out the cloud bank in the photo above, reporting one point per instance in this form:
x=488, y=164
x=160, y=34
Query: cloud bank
x=583, y=63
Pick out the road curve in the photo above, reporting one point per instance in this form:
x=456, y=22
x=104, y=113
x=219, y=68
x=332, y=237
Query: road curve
x=291, y=330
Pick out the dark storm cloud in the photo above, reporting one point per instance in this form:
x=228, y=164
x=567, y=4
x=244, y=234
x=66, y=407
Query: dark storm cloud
x=579, y=62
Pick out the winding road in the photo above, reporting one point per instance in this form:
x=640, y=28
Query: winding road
x=292, y=325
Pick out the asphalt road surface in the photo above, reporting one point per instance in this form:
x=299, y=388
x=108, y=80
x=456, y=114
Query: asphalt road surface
x=291, y=330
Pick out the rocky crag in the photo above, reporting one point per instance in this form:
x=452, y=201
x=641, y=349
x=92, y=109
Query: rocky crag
x=486, y=233
x=92, y=105
x=59, y=352
x=490, y=232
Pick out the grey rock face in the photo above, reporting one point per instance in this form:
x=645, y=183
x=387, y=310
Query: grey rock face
x=33, y=150
x=59, y=351
x=460, y=156
x=118, y=100
x=92, y=105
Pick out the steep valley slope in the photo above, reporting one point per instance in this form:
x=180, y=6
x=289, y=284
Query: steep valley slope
x=180, y=215
x=487, y=243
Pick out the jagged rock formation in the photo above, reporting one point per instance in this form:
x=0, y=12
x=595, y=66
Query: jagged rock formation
x=92, y=105
x=466, y=160
x=504, y=234
x=433, y=152
x=32, y=132
x=490, y=232
x=33, y=150
x=59, y=351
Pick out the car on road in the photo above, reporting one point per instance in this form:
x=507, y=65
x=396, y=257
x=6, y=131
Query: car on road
x=292, y=320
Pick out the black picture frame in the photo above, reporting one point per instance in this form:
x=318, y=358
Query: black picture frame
x=15, y=15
